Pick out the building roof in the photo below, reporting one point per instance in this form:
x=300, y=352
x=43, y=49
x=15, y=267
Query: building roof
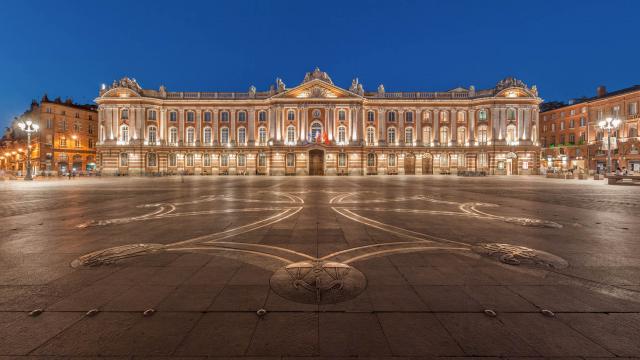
x=554, y=105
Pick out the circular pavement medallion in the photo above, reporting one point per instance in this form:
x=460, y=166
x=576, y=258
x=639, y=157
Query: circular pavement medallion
x=318, y=282
x=517, y=255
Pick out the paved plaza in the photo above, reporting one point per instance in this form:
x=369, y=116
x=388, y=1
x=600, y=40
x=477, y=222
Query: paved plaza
x=319, y=267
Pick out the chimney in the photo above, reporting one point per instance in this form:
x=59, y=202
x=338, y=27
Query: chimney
x=601, y=91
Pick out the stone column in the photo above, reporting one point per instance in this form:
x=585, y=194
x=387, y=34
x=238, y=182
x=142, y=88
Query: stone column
x=251, y=118
x=382, y=126
x=436, y=126
x=181, y=125
x=495, y=124
x=332, y=113
x=503, y=124
x=418, y=121
x=471, y=126
x=215, y=126
x=453, y=121
x=400, y=134
x=520, y=123
x=198, y=138
x=278, y=124
x=526, y=124
x=163, y=125
x=232, y=121
x=271, y=114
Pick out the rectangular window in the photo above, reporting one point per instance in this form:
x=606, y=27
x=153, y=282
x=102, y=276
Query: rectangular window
x=371, y=116
x=173, y=116
x=63, y=141
x=224, y=160
x=189, y=159
x=90, y=143
x=224, y=117
x=409, y=117
x=525, y=165
x=242, y=160
x=633, y=108
x=90, y=129
x=49, y=123
x=262, y=116
x=291, y=160
x=262, y=160
x=152, y=114
x=124, y=159
x=207, y=116
x=583, y=121
x=392, y=160
x=173, y=160
x=342, y=159
x=242, y=116
x=191, y=116
x=78, y=143
x=206, y=159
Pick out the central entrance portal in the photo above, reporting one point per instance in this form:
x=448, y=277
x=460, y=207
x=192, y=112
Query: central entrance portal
x=316, y=162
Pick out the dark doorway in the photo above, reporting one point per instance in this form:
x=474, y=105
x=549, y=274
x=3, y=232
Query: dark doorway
x=427, y=164
x=316, y=162
x=410, y=164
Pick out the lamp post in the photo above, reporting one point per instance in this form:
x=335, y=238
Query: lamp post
x=609, y=124
x=29, y=127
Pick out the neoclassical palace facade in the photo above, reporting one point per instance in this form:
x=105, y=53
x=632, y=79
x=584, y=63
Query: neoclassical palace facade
x=317, y=128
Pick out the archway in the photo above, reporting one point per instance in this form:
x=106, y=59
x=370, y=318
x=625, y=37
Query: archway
x=316, y=162
x=410, y=164
x=427, y=164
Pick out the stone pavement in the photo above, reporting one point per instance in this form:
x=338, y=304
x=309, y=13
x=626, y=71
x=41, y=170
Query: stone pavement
x=371, y=267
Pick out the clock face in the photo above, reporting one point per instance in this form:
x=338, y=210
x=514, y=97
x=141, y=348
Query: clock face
x=316, y=113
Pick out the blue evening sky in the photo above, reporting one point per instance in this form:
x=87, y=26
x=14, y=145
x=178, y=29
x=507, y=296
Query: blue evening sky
x=68, y=48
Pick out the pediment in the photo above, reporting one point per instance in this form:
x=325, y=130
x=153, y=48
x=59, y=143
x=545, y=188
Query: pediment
x=316, y=89
x=515, y=92
x=119, y=92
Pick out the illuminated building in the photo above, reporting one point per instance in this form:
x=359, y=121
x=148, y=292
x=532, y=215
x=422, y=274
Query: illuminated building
x=318, y=128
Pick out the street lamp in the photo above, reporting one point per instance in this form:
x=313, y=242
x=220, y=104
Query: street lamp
x=29, y=127
x=609, y=124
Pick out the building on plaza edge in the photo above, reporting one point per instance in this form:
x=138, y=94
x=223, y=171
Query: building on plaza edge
x=65, y=141
x=572, y=139
x=318, y=128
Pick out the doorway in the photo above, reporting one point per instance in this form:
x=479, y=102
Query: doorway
x=316, y=162
x=410, y=164
x=427, y=164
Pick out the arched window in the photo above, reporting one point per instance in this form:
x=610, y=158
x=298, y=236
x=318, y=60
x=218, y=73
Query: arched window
x=342, y=159
x=482, y=135
x=482, y=115
x=408, y=116
x=173, y=116
x=392, y=160
x=391, y=135
x=291, y=115
x=391, y=116
x=242, y=116
x=342, y=135
x=426, y=135
x=124, y=159
x=511, y=134
x=371, y=116
x=224, y=116
x=462, y=135
x=262, y=116
x=511, y=114
x=151, y=135
x=224, y=135
x=291, y=135
x=342, y=115
x=371, y=159
x=408, y=136
x=124, y=133
x=191, y=136
x=371, y=135
x=207, y=135
x=242, y=136
x=173, y=160
x=125, y=114
x=262, y=135
x=444, y=135
x=152, y=160
x=316, y=131
x=189, y=159
x=191, y=116
x=173, y=135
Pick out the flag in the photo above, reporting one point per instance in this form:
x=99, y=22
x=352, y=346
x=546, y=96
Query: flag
x=325, y=138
